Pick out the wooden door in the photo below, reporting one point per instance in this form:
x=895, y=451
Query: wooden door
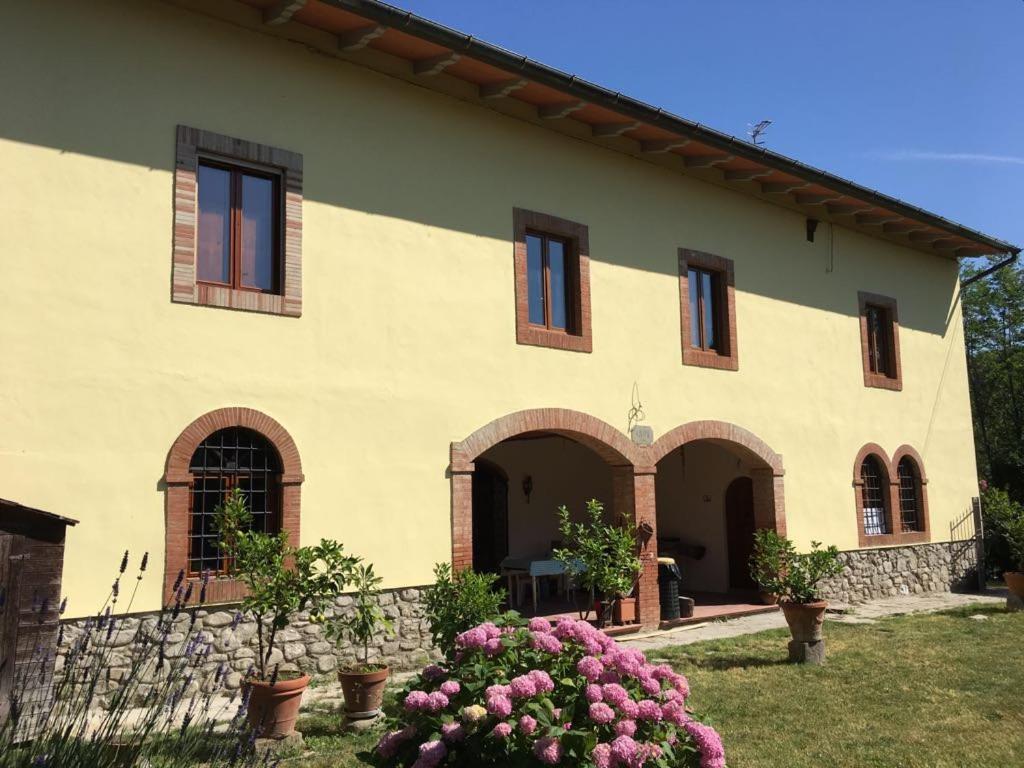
x=490, y=517
x=10, y=593
x=739, y=522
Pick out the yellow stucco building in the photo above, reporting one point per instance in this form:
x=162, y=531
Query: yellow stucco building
x=405, y=289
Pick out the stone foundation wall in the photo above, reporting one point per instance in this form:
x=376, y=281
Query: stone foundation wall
x=302, y=646
x=911, y=570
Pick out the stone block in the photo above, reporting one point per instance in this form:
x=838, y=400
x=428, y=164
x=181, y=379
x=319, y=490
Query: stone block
x=1014, y=603
x=801, y=652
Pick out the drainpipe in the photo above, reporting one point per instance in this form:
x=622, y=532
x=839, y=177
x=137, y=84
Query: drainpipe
x=994, y=268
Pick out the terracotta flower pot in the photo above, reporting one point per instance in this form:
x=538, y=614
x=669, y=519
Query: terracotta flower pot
x=805, y=619
x=625, y=610
x=273, y=709
x=1015, y=582
x=363, y=691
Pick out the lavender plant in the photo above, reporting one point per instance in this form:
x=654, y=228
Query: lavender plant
x=161, y=708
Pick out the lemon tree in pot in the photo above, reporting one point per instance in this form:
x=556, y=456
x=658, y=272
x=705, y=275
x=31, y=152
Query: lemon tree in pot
x=794, y=578
x=280, y=581
x=363, y=683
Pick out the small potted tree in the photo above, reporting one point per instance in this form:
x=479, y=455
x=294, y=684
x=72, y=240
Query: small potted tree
x=363, y=683
x=794, y=577
x=601, y=559
x=280, y=580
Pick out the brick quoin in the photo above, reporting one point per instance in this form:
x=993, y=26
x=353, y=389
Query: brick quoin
x=633, y=469
x=178, y=480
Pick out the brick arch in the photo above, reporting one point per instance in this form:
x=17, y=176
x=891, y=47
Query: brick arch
x=923, y=533
x=769, y=487
x=178, y=481
x=908, y=450
x=601, y=437
x=868, y=450
x=715, y=430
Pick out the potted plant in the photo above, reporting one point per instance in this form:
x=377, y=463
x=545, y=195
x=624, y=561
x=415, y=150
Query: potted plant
x=280, y=580
x=363, y=683
x=1004, y=540
x=601, y=560
x=794, y=578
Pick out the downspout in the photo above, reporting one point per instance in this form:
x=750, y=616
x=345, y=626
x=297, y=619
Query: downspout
x=994, y=268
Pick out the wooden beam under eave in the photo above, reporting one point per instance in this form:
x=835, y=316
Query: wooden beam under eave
x=502, y=89
x=604, y=130
x=902, y=227
x=876, y=219
x=803, y=199
x=705, y=161
x=282, y=11
x=357, y=39
x=747, y=174
x=435, y=65
x=555, y=111
x=847, y=210
x=660, y=146
x=782, y=187
x=925, y=237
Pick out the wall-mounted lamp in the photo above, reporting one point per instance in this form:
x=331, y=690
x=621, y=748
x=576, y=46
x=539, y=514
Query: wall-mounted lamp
x=527, y=487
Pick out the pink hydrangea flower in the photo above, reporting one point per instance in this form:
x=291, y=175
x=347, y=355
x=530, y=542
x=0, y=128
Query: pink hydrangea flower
x=389, y=743
x=624, y=750
x=592, y=693
x=497, y=690
x=499, y=706
x=674, y=712
x=490, y=630
x=431, y=754
x=502, y=731
x=601, y=713
x=437, y=701
x=542, y=680
x=709, y=743
x=548, y=750
x=539, y=624
x=493, y=647
x=629, y=709
x=545, y=642
x=590, y=668
x=527, y=724
x=681, y=684
x=625, y=728
x=471, y=638
x=450, y=688
x=522, y=687
x=416, y=700
x=650, y=686
x=614, y=693
x=433, y=673
x=609, y=676
x=453, y=732
x=649, y=710
x=601, y=755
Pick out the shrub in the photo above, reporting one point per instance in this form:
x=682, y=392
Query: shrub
x=281, y=579
x=1004, y=530
x=366, y=619
x=600, y=557
x=542, y=694
x=82, y=717
x=457, y=602
x=790, y=575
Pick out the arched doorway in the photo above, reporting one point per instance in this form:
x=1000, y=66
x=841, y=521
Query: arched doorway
x=739, y=531
x=490, y=517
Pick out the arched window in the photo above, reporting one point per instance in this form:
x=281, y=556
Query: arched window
x=911, y=518
x=874, y=502
x=230, y=458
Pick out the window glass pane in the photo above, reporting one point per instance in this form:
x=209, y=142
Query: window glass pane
x=875, y=522
x=908, y=496
x=556, y=263
x=710, y=311
x=535, y=278
x=878, y=340
x=213, y=251
x=257, y=246
x=693, y=280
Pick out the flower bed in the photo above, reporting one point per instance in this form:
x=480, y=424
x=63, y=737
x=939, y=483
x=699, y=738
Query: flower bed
x=552, y=695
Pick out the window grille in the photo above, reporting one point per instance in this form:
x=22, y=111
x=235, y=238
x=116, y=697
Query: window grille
x=875, y=520
x=910, y=501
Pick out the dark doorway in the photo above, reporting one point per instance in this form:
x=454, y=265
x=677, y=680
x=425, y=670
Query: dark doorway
x=739, y=526
x=490, y=517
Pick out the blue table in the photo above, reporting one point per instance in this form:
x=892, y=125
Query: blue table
x=532, y=567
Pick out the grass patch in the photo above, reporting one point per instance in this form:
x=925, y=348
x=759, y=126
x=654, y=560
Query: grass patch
x=938, y=690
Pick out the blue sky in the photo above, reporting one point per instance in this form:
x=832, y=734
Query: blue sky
x=922, y=99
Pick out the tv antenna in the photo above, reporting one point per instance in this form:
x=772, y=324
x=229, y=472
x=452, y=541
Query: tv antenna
x=757, y=131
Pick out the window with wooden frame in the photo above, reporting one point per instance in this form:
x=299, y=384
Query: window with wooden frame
x=880, y=341
x=238, y=224
x=892, y=500
x=874, y=493
x=552, y=282
x=707, y=309
x=910, y=495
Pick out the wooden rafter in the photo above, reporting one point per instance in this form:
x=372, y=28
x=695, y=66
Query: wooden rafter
x=817, y=199
x=435, y=65
x=613, y=129
x=706, y=161
x=502, y=89
x=658, y=146
x=747, y=174
x=555, y=111
x=282, y=11
x=357, y=39
x=782, y=187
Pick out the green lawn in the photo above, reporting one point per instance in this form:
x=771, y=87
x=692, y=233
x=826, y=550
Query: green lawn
x=939, y=690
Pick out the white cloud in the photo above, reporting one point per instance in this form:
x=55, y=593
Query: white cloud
x=964, y=157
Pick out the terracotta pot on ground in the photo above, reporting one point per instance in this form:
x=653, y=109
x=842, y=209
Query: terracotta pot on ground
x=1015, y=582
x=805, y=620
x=273, y=709
x=364, y=692
x=625, y=610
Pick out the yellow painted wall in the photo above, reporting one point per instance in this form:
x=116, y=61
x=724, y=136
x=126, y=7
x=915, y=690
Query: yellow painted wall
x=407, y=338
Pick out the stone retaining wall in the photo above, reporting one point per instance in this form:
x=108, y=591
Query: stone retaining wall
x=302, y=646
x=889, y=571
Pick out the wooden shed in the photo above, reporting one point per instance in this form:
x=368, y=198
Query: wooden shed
x=31, y=562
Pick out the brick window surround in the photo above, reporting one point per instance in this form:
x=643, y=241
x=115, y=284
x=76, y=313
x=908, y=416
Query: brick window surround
x=880, y=380
x=726, y=357
x=891, y=489
x=193, y=144
x=580, y=338
x=178, y=482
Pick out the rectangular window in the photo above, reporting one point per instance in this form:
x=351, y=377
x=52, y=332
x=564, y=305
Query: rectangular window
x=704, y=309
x=707, y=307
x=880, y=341
x=548, y=281
x=238, y=242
